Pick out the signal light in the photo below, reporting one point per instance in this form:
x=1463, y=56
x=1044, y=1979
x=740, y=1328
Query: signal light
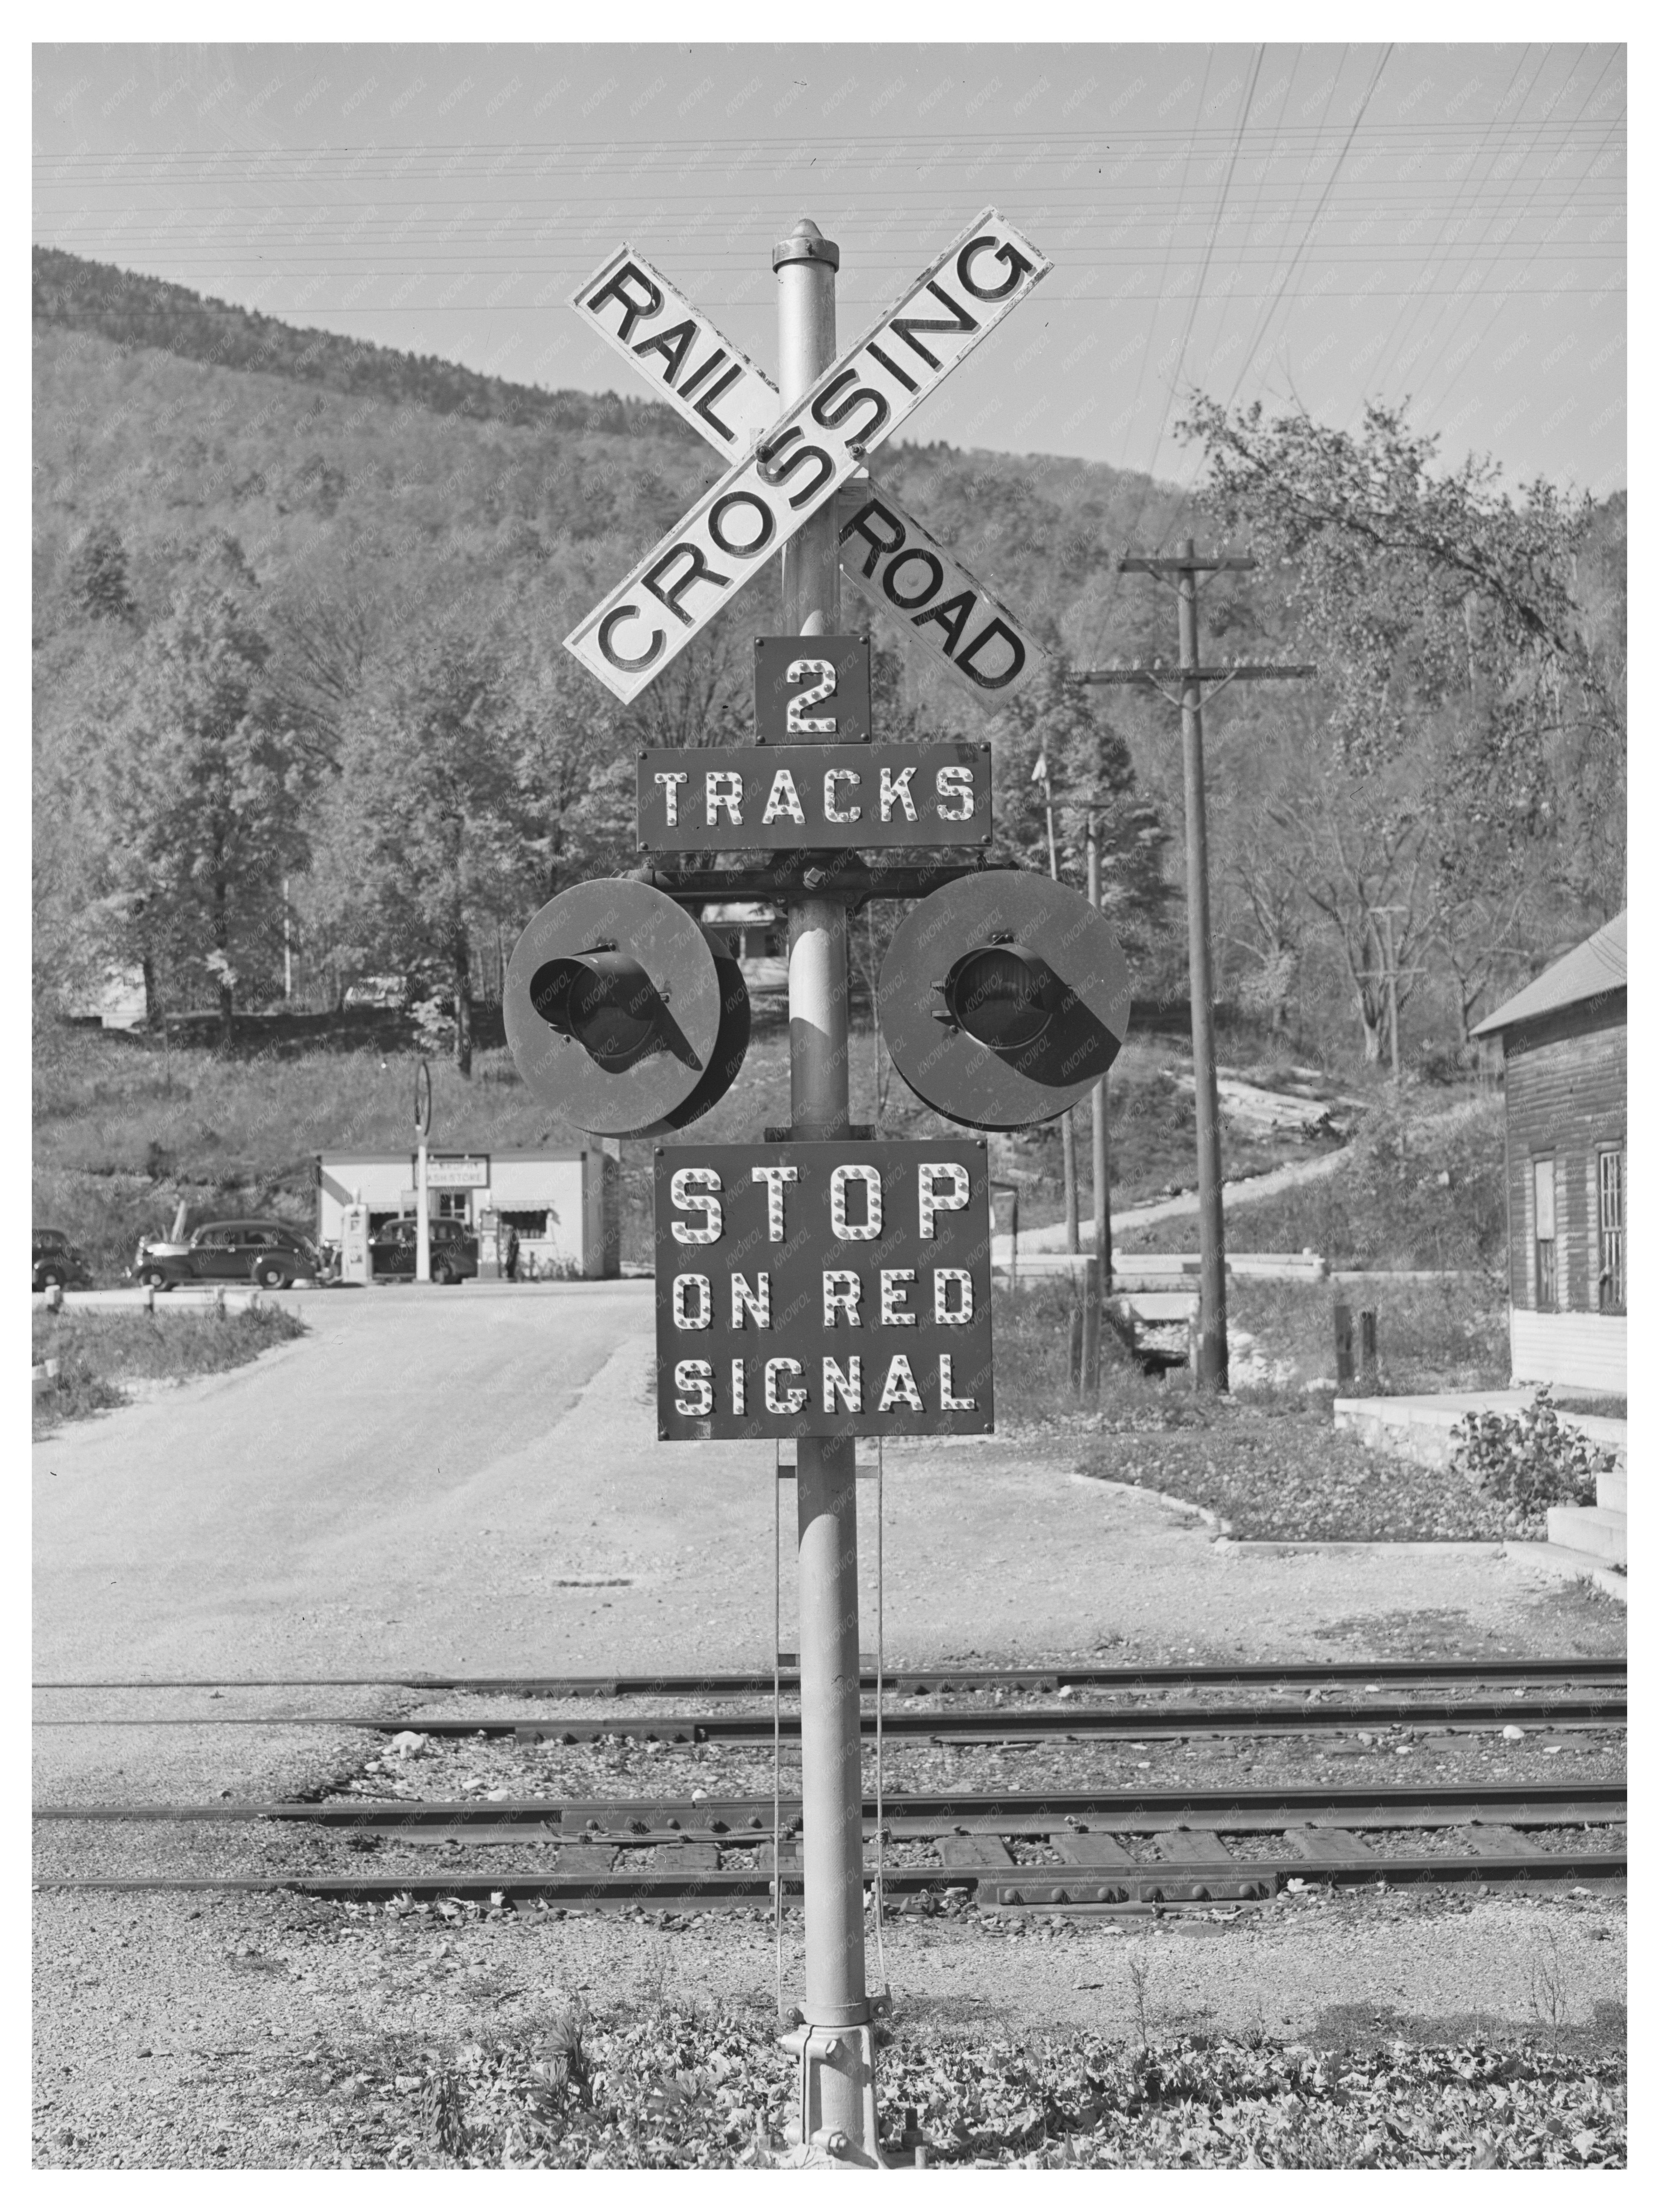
x=623, y=1012
x=1004, y=999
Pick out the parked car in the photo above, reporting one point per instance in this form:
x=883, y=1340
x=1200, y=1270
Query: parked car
x=56, y=1261
x=271, y=1253
x=454, y=1251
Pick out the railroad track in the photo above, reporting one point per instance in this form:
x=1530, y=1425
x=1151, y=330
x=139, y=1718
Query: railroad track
x=1114, y=1703
x=1138, y=1849
x=909, y=1682
x=1047, y=1849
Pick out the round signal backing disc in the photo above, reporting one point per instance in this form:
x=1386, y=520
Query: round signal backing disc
x=1027, y=964
x=698, y=1010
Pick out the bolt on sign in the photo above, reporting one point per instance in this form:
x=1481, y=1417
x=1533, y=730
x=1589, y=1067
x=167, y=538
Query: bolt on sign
x=937, y=601
x=823, y=1289
x=737, y=798
x=805, y=455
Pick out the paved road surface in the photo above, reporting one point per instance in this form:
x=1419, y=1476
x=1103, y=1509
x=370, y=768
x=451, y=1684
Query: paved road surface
x=470, y=1480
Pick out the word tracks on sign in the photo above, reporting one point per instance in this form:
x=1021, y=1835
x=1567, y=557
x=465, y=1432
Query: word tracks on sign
x=940, y=605
x=813, y=448
x=743, y=798
x=823, y=1289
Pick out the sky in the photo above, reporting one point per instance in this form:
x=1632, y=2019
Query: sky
x=1313, y=225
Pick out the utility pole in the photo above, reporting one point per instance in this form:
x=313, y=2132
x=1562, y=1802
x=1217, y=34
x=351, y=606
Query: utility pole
x=832, y=1795
x=1099, y=1176
x=1185, y=566
x=1067, y=1132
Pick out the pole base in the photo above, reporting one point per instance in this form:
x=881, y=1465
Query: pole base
x=837, y=2110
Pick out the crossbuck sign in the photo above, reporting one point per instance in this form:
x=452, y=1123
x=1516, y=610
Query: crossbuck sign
x=790, y=463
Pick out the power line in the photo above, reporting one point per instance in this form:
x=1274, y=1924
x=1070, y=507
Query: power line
x=1265, y=323
x=1407, y=317
x=492, y=158
x=1463, y=318
x=1198, y=289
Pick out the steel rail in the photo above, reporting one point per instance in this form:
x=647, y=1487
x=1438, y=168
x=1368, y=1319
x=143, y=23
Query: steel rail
x=1150, y=1883
x=734, y=1820
x=905, y=1681
x=968, y=1725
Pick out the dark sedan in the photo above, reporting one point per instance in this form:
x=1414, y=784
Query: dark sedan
x=454, y=1251
x=273, y=1254
x=56, y=1261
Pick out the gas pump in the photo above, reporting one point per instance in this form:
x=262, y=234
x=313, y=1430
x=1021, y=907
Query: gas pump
x=355, y=1264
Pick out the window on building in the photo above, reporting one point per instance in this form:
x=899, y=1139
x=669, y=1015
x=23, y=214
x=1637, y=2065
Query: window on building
x=529, y=1221
x=1610, y=1191
x=1543, y=1235
x=451, y=1204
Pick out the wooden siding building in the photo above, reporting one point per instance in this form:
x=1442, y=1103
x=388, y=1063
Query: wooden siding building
x=1563, y=1041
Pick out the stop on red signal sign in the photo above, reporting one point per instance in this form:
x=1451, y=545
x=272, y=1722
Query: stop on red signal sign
x=823, y=1289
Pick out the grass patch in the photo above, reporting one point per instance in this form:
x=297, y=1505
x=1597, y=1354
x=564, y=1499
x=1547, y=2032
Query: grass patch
x=1287, y=1475
x=97, y=1353
x=1451, y=1333
x=669, y=2087
x=1422, y=1187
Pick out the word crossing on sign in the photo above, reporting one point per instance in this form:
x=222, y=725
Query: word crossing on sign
x=721, y=393
x=823, y=1289
x=763, y=799
x=812, y=448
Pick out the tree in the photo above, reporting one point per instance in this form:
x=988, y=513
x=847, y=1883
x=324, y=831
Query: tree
x=1091, y=771
x=1441, y=608
x=427, y=840
x=194, y=803
x=96, y=575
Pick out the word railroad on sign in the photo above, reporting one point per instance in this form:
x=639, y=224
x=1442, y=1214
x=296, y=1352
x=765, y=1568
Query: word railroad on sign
x=823, y=1289
x=788, y=462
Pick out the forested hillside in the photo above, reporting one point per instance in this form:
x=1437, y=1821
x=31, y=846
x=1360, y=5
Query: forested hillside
x=298, y=603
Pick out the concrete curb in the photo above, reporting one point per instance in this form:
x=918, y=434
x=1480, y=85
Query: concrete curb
x=1491, y=1547
x=1561, y=1564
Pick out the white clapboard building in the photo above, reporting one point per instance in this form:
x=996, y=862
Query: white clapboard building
x=565, y=1203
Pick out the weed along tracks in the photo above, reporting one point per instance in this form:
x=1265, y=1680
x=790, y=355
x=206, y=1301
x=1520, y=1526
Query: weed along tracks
x=1085, y=1791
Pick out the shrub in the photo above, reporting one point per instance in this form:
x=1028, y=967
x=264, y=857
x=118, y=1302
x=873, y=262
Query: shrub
x=1529, y=1460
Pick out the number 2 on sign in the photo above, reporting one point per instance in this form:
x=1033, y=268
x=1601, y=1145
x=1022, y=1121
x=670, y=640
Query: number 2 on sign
x=797, y=722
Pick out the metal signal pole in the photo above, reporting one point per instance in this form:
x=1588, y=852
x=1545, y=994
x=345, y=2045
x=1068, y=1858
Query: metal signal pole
x=1186, y=566
x=1099, y=1177
x=836, y=2068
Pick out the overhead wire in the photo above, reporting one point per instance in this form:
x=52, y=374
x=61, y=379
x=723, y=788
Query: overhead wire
x=1198, y=289
x=1114, y=579
x=1468, y=306
x=1264, y=322
x=1409, y=314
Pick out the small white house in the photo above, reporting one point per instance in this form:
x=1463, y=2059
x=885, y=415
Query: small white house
x=565, y=1205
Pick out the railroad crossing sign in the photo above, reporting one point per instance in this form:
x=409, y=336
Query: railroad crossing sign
x=827, y=1290
x=789, y=464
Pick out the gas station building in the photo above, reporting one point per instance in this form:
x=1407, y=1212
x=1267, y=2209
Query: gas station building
x=565, y=1204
